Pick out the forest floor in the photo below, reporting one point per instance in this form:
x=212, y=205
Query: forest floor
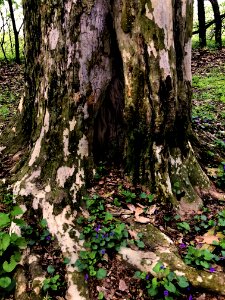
x=128, y=204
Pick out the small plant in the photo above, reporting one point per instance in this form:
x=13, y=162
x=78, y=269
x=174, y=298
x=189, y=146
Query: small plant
x=149, y=197
x=10, y=246
x=201, y=258
x=51, y=283
x=183, y=226
x=166, y=285
x=128, y=195
x=221, y=175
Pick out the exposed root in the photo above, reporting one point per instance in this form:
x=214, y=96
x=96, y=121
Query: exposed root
x=164, y=250
x=212, y=192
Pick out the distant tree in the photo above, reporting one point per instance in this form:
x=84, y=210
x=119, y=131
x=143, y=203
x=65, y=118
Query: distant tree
x=201, y=22
x=218, y=23
x=15, y=31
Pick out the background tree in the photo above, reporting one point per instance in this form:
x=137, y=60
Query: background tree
x=218, y=23
x=15, y=31
x=201, y=24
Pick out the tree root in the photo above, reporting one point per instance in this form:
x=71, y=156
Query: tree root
x=164, y=250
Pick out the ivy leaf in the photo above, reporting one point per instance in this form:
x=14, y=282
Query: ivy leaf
x=5, y=242
x=50, y=269
x=182, y=281
x=4, y=220
x=101, y=273
x=16, y=211
x=140, y=244
x=108, y=216
x=5, y=282
x=9, y=267
x=170, y=287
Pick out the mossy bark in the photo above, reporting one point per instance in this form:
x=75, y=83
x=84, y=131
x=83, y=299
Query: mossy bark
x=105, y=80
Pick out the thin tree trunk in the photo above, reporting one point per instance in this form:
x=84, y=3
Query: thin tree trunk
x=218, y=23
x=201, y=24
x=16, y=35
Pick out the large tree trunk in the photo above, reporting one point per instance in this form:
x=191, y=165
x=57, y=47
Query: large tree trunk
x=218, y=23
x=105, y=80
x=201, y=24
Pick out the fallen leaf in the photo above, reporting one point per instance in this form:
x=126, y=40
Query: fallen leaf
x=151, y=210
x=133, y=234
x=209, y=237
x=142, y=219
x=122, y=285
x=131, y=207
x=138, y=211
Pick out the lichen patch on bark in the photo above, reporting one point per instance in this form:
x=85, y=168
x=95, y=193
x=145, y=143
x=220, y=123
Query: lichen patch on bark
x=37, y=148
x=63, y=173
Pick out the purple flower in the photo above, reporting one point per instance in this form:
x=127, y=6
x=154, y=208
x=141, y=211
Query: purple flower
x=111, y=233
x=162, y=267
x=96, y=236
x=212, y=270
x=190, y=297
x=224, y=167
x=166, y=293
x=98, y=228
x=102, y=251
x=86, y=277
x=147, y=277
x=48, y=238
x=182, y=245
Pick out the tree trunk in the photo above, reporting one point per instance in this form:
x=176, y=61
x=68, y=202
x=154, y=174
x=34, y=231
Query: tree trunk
x=218, y=23
x=105, y=80
x=201, y=24
x=15, y=32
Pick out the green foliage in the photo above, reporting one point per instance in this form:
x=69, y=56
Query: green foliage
x=51, y=283
x=166, y=285
x=128, y=195
x=201, y=258
x=103, y=235
x=184, y=226
x=221, y=175
x=10, y=246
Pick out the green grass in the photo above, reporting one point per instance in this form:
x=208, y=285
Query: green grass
x=209, y=93
x=10, y=53
x=210, y=42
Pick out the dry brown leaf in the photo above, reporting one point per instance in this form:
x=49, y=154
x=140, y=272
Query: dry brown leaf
x=131, y=207
x=209, y=237
x=138, y=211
x=133, y=234
x=122, y=285
x=151, y=210
x=142, y=219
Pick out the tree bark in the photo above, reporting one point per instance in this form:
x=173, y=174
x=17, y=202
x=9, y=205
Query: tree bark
x=201, y=24
x=105, y=80
x=218, y=23
x=15, y=32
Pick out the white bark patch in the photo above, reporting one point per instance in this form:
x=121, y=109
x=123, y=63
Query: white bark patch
x=184, y=8
x=148, y=13
x=32, y=258
x=72, y=124
x=144, y=261
x=37, y=147
x=168, y=184
x=164, y=62
x=199, y=279
x=63, y=173
x=163, y=16
x=187, y=61
x=83, y=147
x=20, y=106
x=2, y=148
x=66, y=143
x=48, y=188
x=78, y=183
x=157, y=150
x=53, y=38
x=92, y=27
x=179, y=273
x=151, y=49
